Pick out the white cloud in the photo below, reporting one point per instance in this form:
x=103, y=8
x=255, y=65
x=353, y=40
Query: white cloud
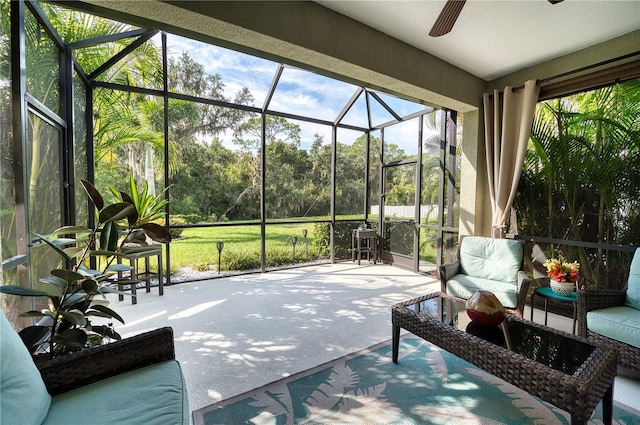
x=298, y=92
x=237, y=70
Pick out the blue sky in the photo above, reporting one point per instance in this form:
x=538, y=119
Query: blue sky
x=298, y=92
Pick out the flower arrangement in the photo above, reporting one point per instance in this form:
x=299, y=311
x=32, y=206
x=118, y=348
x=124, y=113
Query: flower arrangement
x=561, y=270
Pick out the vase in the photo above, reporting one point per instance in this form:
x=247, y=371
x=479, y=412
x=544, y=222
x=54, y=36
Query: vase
x=562, y=288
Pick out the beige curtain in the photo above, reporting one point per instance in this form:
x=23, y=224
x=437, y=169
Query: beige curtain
x=507, y=124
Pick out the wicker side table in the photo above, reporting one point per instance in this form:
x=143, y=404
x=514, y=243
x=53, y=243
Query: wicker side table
x=577, y=391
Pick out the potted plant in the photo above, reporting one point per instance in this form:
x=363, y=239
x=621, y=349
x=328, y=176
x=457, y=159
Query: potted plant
x=75, y=292
x=563, y=275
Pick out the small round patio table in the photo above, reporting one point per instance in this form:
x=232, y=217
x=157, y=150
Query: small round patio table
x=547, y=294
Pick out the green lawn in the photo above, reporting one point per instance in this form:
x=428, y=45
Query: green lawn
x=197, y=247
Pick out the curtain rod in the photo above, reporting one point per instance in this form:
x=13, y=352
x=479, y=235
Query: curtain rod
x=586, y=68
x=576, y=71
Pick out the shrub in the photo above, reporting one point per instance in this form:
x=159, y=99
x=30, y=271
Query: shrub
x=250, y=260
x=244, y=260
x=176, y=232
x=188, y=218
x=201, y=267
x=342, y=237
x=321, y=238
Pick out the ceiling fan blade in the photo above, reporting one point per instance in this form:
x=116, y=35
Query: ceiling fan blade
x=447, y=17
x=554, y=1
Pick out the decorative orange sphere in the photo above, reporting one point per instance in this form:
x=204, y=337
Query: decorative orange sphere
x=484, y=309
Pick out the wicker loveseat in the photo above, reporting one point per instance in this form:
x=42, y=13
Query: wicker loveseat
x=133, y=381
x=488, y=264
x=612, y=317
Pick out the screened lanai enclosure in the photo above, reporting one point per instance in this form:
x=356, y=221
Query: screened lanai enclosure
x=262, y=164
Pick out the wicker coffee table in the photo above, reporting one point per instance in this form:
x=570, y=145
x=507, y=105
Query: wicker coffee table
x=562, y=369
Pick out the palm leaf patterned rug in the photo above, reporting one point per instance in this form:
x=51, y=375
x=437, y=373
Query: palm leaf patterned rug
x=427, y=386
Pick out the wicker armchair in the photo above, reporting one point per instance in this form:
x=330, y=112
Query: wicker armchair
x=612, y=317
x=86, y=367
x=133, y=381
x=490, y=264
x=599, y=299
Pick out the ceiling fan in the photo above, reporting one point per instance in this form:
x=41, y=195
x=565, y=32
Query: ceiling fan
x=449, y=14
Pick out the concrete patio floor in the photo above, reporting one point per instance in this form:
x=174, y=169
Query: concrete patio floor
x=237, y=333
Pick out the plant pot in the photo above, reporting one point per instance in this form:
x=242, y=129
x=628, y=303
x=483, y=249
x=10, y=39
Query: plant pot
x=563, y=289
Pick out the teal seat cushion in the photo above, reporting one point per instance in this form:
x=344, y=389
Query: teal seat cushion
x=464, y=286
x=621, y=323
x=490, y=258
x=152, y=395
x=633, y=286
x=23, y=396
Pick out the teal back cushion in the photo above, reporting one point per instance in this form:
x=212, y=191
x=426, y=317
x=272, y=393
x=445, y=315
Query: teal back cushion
x=633, y=287
x=23, y=396
x=490, y=258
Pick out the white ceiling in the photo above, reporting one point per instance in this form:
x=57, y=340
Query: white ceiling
x=492, y=38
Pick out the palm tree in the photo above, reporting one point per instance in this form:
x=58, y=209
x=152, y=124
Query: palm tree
x=580, y=175
x=119, y=118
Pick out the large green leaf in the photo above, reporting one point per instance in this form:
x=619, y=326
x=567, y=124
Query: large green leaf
x=107, y=311
x=52, y=291
x=93, y=193
x=74, y=299
x=85, y=271
x=70, y=230
x=90, y=286
x=72, y=338
x=103, y=277
x=97, y=313
x=133, y=217
x=22, y=291
x=108, y=290
x=52, y=245
x=67, y=275
x=149, y=207
x=115, y=212
x=74, y=316
x=74, y=252
x=109, y=236
x=157, y=233
x=133, y=190
x=65, y=241
x=54, y=280
x=36, y=313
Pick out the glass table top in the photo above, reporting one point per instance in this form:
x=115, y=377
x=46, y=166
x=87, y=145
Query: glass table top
x=536, y=342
